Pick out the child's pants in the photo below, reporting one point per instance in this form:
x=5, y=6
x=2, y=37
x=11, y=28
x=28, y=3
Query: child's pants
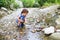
x=21, y=25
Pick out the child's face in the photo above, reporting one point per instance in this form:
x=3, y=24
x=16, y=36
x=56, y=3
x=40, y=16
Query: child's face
x=25, y=14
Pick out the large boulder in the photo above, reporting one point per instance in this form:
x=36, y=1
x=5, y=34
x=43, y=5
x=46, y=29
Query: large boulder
x=49, y=30
x=4, y=12
x=55, y=36
x=3, y=8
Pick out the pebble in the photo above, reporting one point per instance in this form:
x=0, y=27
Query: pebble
x=33, y=31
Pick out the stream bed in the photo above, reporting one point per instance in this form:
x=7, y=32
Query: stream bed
x=8, y=26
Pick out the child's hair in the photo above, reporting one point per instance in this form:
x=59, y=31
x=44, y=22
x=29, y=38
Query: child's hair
x=24, y=11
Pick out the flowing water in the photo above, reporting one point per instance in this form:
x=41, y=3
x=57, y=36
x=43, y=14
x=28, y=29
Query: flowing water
x=8, y=26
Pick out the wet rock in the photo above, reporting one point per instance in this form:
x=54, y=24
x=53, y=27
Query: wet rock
x=2, y=13
x=49, y=30
x=58, y=30
x=33, y=31
x=38, y=30
x=42, y=25
x=55, y=36
x=58, y=21
x=58, y=26
x=58, y=8
x=38, y=20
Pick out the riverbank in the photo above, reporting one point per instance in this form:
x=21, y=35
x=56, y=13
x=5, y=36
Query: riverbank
x=8, y=25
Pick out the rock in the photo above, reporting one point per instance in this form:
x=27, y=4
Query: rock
x=33, y=31
x=31, y=19
x=14, y=39
x=58, y=8
x=50, y=9
x=58, y=21
x=58, y=26
x=43, y=26
x=58, y=30
x=7, y=36
x=3, y=13
x=2, y=37
x=3, y=8
x=38, y=20
x=55, y=36
x=49, y=30
x=38, y=30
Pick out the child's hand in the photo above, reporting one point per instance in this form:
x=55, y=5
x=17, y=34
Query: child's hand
x=20, y=20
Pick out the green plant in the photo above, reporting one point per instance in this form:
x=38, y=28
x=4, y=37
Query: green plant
x=57, y=1
x=15, y=5
x=6, y=3
x=41, y=2
x=28, y=3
